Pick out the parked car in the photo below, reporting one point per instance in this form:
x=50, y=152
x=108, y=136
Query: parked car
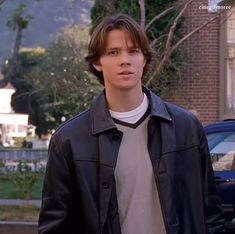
x=221, y=141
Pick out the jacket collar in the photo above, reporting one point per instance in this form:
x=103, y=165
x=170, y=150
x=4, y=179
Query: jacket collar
x=158, y=106
x=102, y=121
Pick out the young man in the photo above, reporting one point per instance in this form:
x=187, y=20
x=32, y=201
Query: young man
x=132, y=163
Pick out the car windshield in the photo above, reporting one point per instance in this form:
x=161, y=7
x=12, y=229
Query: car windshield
x=222, y=150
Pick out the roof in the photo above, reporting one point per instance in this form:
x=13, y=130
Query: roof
x=6, y=84
x=221, y=126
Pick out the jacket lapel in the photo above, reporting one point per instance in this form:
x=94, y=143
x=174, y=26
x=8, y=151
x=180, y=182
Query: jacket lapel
x=109, y=144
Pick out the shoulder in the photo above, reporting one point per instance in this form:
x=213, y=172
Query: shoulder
x=78, y=125
x=167, y=110
x=177, y=116
x=177, y=111
x=183, y=118
x=186, y=125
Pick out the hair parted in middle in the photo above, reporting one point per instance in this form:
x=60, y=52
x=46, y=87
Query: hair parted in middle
x=98, y=41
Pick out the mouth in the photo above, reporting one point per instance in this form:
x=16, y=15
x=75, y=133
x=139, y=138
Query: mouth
x=125, y=73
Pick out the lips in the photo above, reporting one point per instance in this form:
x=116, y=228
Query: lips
x=125, y=73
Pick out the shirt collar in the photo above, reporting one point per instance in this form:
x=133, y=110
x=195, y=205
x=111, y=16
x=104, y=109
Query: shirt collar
x=102, y=121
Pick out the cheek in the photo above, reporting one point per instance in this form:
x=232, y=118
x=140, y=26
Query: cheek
x=107, y=68
x=141, y=63
x=107, y=64
x=107, y=71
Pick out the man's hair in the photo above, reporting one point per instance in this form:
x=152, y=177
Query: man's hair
x=98, y=41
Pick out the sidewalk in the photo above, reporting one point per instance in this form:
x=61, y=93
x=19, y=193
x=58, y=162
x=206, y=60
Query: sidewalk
x=19, y=202
x=7, y=227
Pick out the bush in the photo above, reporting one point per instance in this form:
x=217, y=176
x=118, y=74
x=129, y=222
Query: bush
x=25, y=177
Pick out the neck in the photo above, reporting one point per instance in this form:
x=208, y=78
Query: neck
x=128, y=100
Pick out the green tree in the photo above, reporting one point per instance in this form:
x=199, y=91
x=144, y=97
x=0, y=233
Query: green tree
x=61, y=79
x=18, y=22
x=53, y=84
x=28, y=98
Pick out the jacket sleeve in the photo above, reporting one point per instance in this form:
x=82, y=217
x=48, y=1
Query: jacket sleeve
x=57, y=196
x=214, y=218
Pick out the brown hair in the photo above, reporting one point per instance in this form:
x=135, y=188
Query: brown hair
x=98, y=39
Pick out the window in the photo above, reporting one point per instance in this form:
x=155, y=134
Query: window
x=227, y=75
x=222, y=150
x=231, y=61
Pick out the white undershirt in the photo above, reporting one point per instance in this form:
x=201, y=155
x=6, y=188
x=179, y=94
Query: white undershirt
x=134, y=115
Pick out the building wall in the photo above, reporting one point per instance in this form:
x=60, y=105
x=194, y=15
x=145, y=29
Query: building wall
x=198, y=88
x=5, y=94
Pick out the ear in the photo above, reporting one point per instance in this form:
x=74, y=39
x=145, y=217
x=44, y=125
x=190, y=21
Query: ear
x=144, y=62
x=97, y=66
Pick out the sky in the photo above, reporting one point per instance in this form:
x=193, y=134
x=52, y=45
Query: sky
x=49, y=16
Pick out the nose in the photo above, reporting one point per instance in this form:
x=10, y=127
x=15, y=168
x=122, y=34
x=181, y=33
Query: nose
x=125, y=59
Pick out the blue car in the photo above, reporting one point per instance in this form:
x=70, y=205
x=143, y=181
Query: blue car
x=221, y=141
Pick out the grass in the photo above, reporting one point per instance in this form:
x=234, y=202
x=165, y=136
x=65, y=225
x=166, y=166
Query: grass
x=8, y=189
x=19, y=213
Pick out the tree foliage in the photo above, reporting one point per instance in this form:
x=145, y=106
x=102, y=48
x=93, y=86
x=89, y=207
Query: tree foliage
x=18, y=19
x=27, y=98
x=51, y=84
x=56, y=84
x=18, y=22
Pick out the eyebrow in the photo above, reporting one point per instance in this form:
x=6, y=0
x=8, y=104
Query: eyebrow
x=117, y=48
x=112, y=48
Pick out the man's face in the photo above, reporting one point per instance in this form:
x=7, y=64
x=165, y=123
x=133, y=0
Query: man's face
x=122, y=63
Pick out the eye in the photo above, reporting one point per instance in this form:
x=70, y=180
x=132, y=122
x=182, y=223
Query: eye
x=112, y=52
x=134, y=50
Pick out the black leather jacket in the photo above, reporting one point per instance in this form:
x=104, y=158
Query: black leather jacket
x=79, y=188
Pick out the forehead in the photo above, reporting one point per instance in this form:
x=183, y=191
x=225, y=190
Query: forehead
x=118, y=37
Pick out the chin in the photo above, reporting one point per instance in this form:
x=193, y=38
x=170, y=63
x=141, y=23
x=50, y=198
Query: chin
x=124, y=85
x=129, y=86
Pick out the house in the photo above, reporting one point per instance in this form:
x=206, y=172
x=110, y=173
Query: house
x=11, y=124
x=207, y=86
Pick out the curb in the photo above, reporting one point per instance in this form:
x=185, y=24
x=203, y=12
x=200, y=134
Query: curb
x=19, y=202
x=19, y=223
